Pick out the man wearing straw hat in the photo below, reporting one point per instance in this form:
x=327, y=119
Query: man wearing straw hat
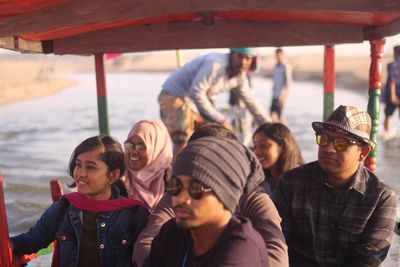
x=335, y=212
x=186, y=96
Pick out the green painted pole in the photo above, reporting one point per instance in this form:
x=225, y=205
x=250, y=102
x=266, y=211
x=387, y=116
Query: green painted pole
x=375, y=85
x=329, y=80
x=101, y=94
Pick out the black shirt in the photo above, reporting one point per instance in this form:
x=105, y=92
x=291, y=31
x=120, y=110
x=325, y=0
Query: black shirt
x=239, y=245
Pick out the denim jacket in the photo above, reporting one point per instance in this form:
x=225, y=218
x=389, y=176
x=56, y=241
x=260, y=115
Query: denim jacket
x=116, y=233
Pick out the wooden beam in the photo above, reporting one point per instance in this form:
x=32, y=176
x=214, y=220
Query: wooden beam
x=7, y=42
x=21, y=45
x=187, y=35
x=92, y=11
x=382, y=31
x=29, y=46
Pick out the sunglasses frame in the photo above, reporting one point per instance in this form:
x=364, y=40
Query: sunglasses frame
x=331, y=139
x=179, y=187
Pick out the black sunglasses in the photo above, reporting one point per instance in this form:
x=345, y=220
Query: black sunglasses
x=196, y=188
x=339, y=143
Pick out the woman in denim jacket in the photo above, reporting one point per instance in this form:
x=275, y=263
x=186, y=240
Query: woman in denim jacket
x=98, y=225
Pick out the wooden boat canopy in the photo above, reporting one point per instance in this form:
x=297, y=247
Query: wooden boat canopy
x=103, y=26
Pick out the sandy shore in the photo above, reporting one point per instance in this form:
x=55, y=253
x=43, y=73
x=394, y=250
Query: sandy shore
x=351, y=71
x=20, y=80
x=29, y=76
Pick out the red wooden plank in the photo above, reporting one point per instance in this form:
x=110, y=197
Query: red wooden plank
x=324, y=17
x=80, y=12
x=188, y=35
x=70, y=31
x=16, y=7
x=382, y=31
x=313, y=16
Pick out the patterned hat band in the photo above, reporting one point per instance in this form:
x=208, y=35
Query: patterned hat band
x=351, y=120
x=360, y=134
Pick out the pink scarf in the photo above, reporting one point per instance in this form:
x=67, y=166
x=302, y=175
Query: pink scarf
x=86, y=204
x=147, y=184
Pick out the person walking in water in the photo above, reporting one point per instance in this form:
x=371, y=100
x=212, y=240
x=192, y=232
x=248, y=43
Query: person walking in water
x=391, y=94
x=185, y=98
x=282, y=79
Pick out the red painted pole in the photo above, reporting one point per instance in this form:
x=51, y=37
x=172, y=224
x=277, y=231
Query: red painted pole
x=375, y=84
x=101, y=94
x=5, y=249
x=329, y=80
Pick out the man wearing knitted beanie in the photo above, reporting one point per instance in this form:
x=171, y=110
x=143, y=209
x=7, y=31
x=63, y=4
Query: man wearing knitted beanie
x=208, y=179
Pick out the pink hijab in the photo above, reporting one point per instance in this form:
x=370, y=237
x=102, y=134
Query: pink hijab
x=147, y=184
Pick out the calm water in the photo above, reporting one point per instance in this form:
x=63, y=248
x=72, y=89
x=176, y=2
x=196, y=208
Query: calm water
x=37, y=136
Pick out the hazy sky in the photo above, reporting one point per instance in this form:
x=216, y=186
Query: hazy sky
x=343, y=49
x=347, y=49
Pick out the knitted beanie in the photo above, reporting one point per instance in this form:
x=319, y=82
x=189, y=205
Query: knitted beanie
x=220, y=164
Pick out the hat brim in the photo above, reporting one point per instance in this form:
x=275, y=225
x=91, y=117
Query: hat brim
x=319, y=126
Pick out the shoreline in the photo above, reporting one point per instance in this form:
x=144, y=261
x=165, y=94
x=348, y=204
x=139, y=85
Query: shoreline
x=36, y=77
x=351, y=72
x=23, y=81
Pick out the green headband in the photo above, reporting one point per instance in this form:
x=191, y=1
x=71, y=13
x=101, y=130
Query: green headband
x=245, y=51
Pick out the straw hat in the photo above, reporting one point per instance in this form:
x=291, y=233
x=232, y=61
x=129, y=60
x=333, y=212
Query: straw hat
x=350, y=120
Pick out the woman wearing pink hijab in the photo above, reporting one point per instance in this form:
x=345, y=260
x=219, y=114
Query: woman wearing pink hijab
x=148, y=157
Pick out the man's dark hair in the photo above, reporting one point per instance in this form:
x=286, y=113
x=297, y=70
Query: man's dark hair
x=213, y=130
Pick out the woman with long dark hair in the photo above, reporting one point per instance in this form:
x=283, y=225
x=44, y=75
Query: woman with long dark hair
x=277, y=150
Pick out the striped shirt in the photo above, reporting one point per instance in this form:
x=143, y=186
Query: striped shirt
x=323, y=227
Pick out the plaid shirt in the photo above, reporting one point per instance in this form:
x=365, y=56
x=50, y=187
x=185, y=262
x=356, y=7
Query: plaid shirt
x=322, y=227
